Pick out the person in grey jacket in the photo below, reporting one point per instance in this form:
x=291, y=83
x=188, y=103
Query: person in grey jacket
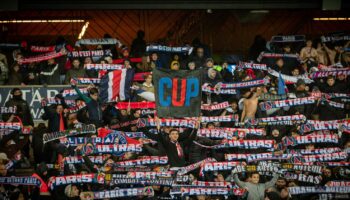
x=256, y=190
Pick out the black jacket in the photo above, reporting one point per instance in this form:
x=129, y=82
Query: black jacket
x=198, y=153
x=22, y=111
x=54, y=119
x=170, y=148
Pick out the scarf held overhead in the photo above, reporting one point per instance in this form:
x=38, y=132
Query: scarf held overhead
x=98, y=41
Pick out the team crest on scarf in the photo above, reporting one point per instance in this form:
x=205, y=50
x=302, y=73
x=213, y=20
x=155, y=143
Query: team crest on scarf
x=148, y=191
x=87, y=149
x=304, y=128
x=142, y=122
x=297, y=159
x=266, y=105
x=118, y=138
x=289, y=141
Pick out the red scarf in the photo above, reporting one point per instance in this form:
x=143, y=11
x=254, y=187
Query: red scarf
x=61, y=123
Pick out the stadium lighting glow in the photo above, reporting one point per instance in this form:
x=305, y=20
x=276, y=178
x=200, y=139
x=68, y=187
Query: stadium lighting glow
x=331, y=18
x=42, y=21
x=83, y=30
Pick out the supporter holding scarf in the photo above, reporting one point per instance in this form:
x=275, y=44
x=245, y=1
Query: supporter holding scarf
x=75, y=72
x=43, y=191
x=174, y=148
x=93, y=104
x=50, y=73
x=255, y=189
x=327, y=112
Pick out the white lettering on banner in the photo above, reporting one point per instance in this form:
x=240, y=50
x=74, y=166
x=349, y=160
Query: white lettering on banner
x=219, y=166
x=36, y=97
x=36, y=113
x=288, y=38
x=51, y=93
x=33, y=95
x=24, y=93
x=64, y=180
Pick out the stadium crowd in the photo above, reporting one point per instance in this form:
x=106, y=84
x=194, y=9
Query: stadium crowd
x=247, y=144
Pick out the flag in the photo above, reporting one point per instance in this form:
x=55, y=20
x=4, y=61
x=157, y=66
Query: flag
x=281, y=85
x=116, y=84
x=178, y=93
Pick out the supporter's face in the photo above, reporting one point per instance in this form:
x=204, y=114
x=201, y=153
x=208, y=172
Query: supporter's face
x=301, y=87
x=76, y=64
x=247, y=94
x=71, y=118
x=275, y=133
x=286, y=49
x=292, y=184
x=330, y=81
x=280, y=63
x=281, y=184
x=192, y=177
x=3, y=170
x=210, y=64
x=148, y=79
x=220, y=178
x=211, y=126
x=200, y=52
x=310, y=147
x=295, y=72
x=75, y=191
x=133, y=128
x=59, y=109
x=166, y=129
x=18, y=93
x=175, y=67
x=174, y=135
x=87, y=60
x=154, y=56
x=327, y=172
x=212, y=73
x=191, y=66
x=309, y=43
x=341, y=77
x=137, y=113
x=284, y=193
x=123, y=112
x=176, y=57
x=126, y=63
x=109, y=60
x=234, y=106
x=126, y=53
x=19, y=56
x=94, y=96
x=255, y=178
